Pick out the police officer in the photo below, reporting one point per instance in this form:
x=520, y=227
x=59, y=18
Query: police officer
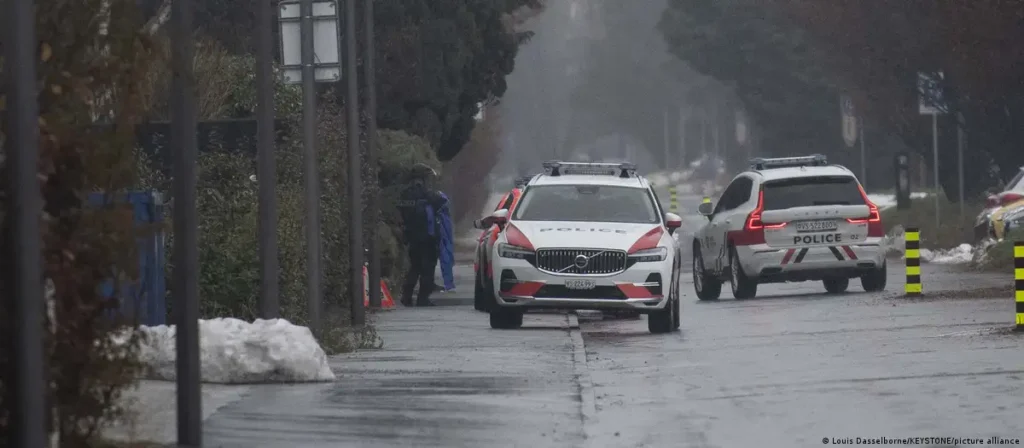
x=421, y=245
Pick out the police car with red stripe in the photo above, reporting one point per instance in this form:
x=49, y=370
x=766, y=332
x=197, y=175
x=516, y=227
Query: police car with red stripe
x=586, y=236
x=789, y=220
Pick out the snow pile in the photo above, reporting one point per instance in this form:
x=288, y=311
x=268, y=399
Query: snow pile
x=884, y=201
x=961, y=254
x=235, y=351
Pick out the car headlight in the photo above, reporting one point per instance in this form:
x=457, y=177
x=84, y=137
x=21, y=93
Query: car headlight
x=510, y=251
x=655, y=254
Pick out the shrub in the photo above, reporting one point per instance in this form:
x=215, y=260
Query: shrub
x=84, y=75
x=953, y=230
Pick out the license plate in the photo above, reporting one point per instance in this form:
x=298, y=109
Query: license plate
x=580, y=284
x=816, y=226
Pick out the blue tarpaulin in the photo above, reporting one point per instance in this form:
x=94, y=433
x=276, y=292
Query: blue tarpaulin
x=446, y=242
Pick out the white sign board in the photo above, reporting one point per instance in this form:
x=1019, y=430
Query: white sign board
x=849, y=120
x=930, y=95
x=326, y=41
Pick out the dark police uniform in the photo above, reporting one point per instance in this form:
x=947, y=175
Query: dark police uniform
x=422, y=247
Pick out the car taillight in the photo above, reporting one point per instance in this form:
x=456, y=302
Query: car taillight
x=516, y=237
x=874, y=219
x=753, y=229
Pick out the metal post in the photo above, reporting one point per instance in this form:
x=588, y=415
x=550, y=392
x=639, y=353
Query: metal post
x=311, y=180
x=664, y=126
x=355, y=169
x=935, y=165
x=371, y=151
x=186, y=251
x=682, y=138
x=863, y=158
x=266, y=170
x=28, y=411
x=960, y=159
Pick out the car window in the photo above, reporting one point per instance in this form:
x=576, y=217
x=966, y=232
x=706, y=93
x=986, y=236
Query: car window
x=509, y=199
x=743, y=187
x=809, y=191
x=728, y=200
x=581, y=203
x=1017, y=183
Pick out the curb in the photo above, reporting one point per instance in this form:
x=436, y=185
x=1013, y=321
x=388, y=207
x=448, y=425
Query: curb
x=588, y=406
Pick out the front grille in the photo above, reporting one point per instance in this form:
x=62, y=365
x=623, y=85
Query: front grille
x=563, y=261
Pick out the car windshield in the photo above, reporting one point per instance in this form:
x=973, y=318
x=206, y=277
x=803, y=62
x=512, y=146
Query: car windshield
x=591, y=203
x=807, y=191
x=1017, y=183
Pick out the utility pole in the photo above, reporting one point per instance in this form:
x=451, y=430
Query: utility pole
x=863, y=157
x=664, y=125
x=186, y=241
x=266, y=176
x=960, y=143
x=355, y=169
x=373, y=208
x=311, y=179
x=28, y=390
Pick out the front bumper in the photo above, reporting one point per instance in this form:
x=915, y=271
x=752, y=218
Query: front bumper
x=769, y=264
x=642, y=287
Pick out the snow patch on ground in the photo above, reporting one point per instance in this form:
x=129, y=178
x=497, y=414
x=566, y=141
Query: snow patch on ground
x=885, y=200
x=234, y=351
x=895, y=243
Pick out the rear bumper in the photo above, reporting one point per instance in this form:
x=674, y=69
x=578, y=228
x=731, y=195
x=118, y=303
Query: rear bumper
x=770, y=265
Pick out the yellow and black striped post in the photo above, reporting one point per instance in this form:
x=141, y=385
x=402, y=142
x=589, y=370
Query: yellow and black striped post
x=673, y=200
x=1018, y=282
x=913, y=256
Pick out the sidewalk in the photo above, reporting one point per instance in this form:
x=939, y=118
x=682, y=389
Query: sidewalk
x=443, y=379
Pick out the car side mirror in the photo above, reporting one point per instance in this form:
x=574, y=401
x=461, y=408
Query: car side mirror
x=499, y=217
x=706, y=208
x=673, y=222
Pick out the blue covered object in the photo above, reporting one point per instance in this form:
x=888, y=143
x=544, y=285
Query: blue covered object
x=446, y=241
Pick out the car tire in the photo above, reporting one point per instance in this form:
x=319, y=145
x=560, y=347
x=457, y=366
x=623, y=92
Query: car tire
x=743, y=287
x=836, y=285
x=478, y=293
x=874, y=281
x=707, y=287
x=506, y=318
x=661, y=321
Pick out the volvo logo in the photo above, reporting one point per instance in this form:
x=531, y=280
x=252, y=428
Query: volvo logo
x=581, y=261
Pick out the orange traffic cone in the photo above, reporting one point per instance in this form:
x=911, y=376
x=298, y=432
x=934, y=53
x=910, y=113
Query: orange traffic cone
x=386, y=301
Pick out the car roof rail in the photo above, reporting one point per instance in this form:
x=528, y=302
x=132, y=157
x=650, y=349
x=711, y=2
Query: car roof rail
x=624, y=170
x=521, y=181
x=760, y=163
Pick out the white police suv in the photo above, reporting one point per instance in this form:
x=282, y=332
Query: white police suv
x=586, y=236
x=785, y=220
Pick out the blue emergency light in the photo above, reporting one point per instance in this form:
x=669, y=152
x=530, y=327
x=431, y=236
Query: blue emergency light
x=558, y=168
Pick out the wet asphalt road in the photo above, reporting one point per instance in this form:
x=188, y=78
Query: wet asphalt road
x=786, y=369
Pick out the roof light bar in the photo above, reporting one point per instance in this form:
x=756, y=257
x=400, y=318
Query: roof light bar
x=558, y=168
x=760, y=163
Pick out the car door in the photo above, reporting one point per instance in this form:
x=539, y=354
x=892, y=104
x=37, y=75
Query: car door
x=726, y=218
x=710, y=240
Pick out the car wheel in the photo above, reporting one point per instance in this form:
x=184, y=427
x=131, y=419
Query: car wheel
x=706, y=286
x=506, y=318
x=743, y=287
x=836, y=285
x=874, y=281
x=660, y=321
x=478, y=293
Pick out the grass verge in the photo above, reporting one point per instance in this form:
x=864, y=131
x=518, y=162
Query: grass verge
x=952, y=229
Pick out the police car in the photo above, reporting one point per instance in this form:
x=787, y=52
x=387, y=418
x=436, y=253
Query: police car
x=789, y=219
x=586, y=236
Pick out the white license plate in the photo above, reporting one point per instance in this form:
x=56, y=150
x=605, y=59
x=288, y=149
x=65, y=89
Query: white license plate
x=816, y=226
x=580, y=284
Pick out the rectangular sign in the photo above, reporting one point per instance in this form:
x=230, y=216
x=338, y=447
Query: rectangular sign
x=930, y=94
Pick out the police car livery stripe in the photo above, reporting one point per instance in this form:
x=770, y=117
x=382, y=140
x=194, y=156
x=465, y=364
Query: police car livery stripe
x=835, y=252
x=800, y=256
x=788, y=256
